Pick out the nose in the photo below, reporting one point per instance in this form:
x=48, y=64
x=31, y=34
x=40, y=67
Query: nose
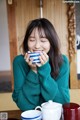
x=37, y=44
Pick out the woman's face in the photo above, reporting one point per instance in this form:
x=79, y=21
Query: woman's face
x=38, y=42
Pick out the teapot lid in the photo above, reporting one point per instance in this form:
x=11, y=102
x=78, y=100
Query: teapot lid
x=51, y=104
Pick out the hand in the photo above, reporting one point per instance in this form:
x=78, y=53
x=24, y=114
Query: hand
x=29, y=62
x=43, y=59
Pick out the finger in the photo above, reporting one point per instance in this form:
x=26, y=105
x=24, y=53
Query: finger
x=27, y=57
x=31, y=63
x=42, y=61
x=43, y=57
x=38, y=64
x=47, y=57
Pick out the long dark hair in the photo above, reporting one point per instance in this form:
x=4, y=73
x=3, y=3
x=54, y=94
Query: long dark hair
x=55, y=57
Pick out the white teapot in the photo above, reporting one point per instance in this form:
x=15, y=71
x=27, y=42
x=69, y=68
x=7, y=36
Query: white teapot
x=50, y=110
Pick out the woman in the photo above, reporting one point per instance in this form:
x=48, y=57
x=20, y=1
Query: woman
x=47, y=80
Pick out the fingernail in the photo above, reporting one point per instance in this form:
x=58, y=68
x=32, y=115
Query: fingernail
x=28, y=51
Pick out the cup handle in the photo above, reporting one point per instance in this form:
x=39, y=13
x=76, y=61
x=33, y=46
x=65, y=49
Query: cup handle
x=38, y=108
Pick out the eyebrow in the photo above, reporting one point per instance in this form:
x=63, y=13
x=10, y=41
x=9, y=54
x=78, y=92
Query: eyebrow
x=40, y=37
x=43, y=36
x=31, y=37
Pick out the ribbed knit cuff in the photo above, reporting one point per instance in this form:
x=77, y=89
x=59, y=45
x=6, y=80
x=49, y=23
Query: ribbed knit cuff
x=44, y=70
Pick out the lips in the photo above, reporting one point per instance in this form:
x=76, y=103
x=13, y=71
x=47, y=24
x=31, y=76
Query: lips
x=38, y=51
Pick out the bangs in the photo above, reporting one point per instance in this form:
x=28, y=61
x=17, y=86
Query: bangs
x=41, y=31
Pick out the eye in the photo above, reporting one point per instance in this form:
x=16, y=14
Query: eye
x=31, y=40
x=44, y=40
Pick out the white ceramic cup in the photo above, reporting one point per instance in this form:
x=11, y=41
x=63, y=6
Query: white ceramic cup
x=31, y=115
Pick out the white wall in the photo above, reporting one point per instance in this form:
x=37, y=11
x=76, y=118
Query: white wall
x=4, y=38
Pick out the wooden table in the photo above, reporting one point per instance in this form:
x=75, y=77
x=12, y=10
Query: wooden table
x=13, y=114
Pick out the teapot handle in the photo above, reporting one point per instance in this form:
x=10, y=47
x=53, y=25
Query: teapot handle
x=38, y=107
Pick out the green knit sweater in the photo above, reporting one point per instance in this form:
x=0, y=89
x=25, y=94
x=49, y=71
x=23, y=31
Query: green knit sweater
x=31, y=89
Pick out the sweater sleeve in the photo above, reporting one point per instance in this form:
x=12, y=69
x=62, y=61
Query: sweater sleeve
x=55, y=89
x=26, y=86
